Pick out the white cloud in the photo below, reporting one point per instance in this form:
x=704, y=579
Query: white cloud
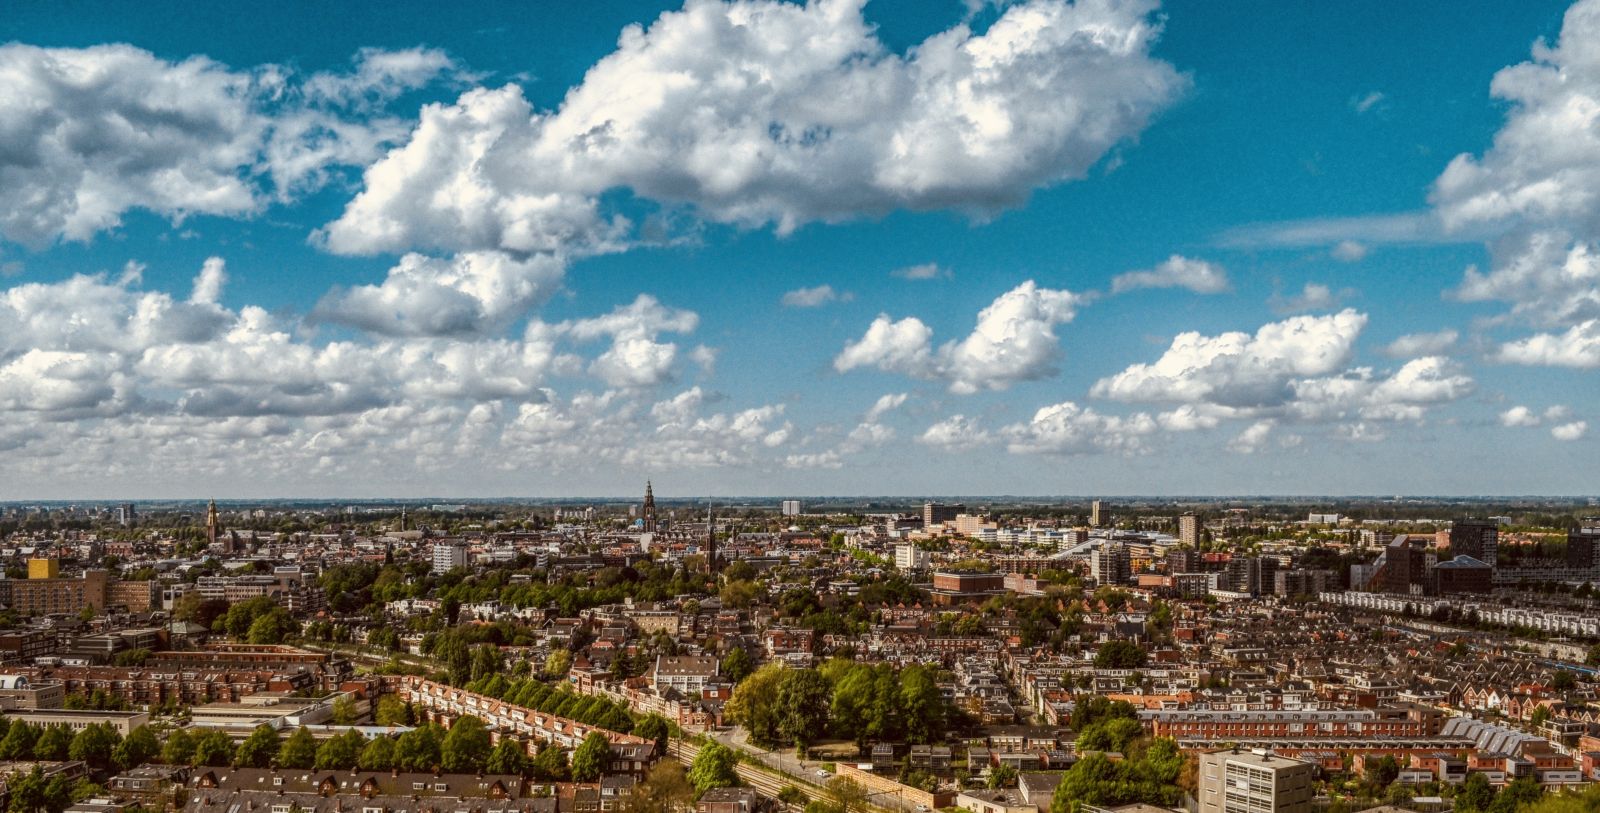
x=924, y=271
x=1175, y=272
x=885, y=404
x=718, y=106
x=957, y=432
x=635, y=359
x=1519, y=416
x=1313, y=297
x=1252, y=438
x=1239, y=369
x=1570, y=431
x=1577, y=347
x=92, y=133
x=1066, y=428
x=1349, y=251
x=814, y=297
x=1422, y=344
x=1366, y=102
x=471, y=293
x=1014, y=340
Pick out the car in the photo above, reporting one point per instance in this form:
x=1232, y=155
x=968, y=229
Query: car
x=922, y=808
x=821, y=772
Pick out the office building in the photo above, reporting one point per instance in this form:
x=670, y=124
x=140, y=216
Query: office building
x=1476, y=538
x=935, y=514
x=1189, y=530
x=126, y=515
x=1583, y=549
x=791, y=508
x=1234, y=781
x=44, y=568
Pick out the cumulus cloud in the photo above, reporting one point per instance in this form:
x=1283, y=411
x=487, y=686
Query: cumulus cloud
x=634, y=359
x=955, y=433
x=1570, y=431
x=1252, y=438
x=1239, y=369
x=1577, y=347
x=1519, y=416
x=814, y=297
x=720, y=108
x=1067, y=429
x=886, y=404
x=1176, y=271
x=92, y=133
x=470, y=293
x=1422, y=344
x=1014, y=340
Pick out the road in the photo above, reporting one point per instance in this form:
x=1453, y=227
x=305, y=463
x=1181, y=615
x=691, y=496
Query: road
x=801, y=773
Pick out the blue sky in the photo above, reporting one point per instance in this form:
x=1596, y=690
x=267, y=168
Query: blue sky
x=428, y=232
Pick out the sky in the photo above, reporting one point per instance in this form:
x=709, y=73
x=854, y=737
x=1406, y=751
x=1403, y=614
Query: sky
x=756, y=248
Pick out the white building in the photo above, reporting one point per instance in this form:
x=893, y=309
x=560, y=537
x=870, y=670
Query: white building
x=791, y=508
x=911, y=557
x=448, y=556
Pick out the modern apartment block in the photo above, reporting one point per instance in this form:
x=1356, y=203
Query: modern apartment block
x=1234, y=781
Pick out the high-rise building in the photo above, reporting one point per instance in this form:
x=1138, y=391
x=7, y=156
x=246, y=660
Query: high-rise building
x=1235, y=781
x=1111, y=564
x=213, y=524
x=911, y=557
x=791, y=508
x=935, y=513
x=1583, y=549
x=448, y=556
x=1189, y=530
x=1098, y=514
x=126, y=515
x=1476, y=538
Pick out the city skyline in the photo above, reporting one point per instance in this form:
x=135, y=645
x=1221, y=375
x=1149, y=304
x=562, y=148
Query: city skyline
x=779, y=250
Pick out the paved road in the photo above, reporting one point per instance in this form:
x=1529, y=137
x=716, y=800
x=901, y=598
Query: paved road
x=805, y=770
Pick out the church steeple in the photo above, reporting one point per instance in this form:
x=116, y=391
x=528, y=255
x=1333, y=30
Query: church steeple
x=649, y=513
x=213, y=525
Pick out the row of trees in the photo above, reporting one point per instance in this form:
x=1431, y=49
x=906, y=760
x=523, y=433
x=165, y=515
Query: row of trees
x=782, y=706
x=99, y=744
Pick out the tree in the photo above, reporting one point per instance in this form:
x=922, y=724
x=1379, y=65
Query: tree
x=272, y=627
x=340, y=753
x=736, y=665
x=754, y=704
x=1476, y=794
x=590, y=759
x=1109, y=735
x=418, y=749
x=213, y=748
x=551, y=764
x=178, y=749
x=344, y=710
x=1563, y=681
x=139, y=747
x=392, y=711
x=1002, y=776
x=665, y=789
x=557, y=663
x=379, y=755
x=259, y=749
x=466, y=747
x=94, y=745
x=299, y=750
x=52, y=743
x=1120, y=655
x=655, y=728
x=803, y=700
x=18, y=742
x=713, y=767
x=922, y=705
x=847, y=795
x=508, y=758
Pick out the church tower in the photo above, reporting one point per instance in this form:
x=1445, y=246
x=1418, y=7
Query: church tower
x=649, y=508
x=213, y=525
x=711, y=542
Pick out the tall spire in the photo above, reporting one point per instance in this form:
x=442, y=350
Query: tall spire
x=711, y=541
x=213, y=525
x=649, y=513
